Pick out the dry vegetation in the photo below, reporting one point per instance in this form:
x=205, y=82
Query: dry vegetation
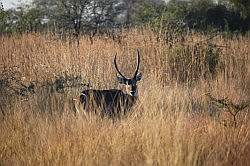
x=173, y=124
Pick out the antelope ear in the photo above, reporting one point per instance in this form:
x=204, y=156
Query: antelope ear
x=138, y=77
x=121, y=80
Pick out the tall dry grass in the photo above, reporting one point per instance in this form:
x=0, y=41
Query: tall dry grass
x=173, y=123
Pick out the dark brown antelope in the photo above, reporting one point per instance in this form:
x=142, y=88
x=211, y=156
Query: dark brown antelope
x=113, y=102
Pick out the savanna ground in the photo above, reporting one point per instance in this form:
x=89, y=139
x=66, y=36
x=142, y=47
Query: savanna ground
x=174, y=123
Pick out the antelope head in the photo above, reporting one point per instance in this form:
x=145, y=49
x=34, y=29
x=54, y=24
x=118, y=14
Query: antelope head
x=131, y=83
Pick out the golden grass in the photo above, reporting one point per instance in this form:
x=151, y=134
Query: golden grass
x=170, y=125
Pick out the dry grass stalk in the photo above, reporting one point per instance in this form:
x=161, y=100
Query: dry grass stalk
x=169, y=126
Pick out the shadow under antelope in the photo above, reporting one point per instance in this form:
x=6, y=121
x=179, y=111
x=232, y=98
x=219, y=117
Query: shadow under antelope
x=113, y=102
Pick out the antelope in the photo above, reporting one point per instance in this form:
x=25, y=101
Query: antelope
x=113, y=102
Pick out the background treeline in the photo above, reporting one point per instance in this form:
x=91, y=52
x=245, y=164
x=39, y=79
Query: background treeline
x=102, y=16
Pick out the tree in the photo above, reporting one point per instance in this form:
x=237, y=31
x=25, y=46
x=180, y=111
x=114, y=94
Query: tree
x=24, y=19
x=243, y=6
x=3, y=19
x=104, y=14
x=76, y=16
x=201, y=15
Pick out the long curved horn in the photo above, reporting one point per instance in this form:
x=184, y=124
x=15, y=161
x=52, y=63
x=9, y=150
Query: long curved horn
x=117, y=68
x=138, y=63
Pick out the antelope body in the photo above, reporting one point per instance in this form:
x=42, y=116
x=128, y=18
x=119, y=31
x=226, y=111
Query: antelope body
x=113, y=102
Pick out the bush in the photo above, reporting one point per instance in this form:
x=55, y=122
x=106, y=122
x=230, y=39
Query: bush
x=200, y=15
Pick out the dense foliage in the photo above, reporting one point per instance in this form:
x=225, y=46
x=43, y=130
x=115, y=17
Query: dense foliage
x=201, y=15
x=95, y=16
